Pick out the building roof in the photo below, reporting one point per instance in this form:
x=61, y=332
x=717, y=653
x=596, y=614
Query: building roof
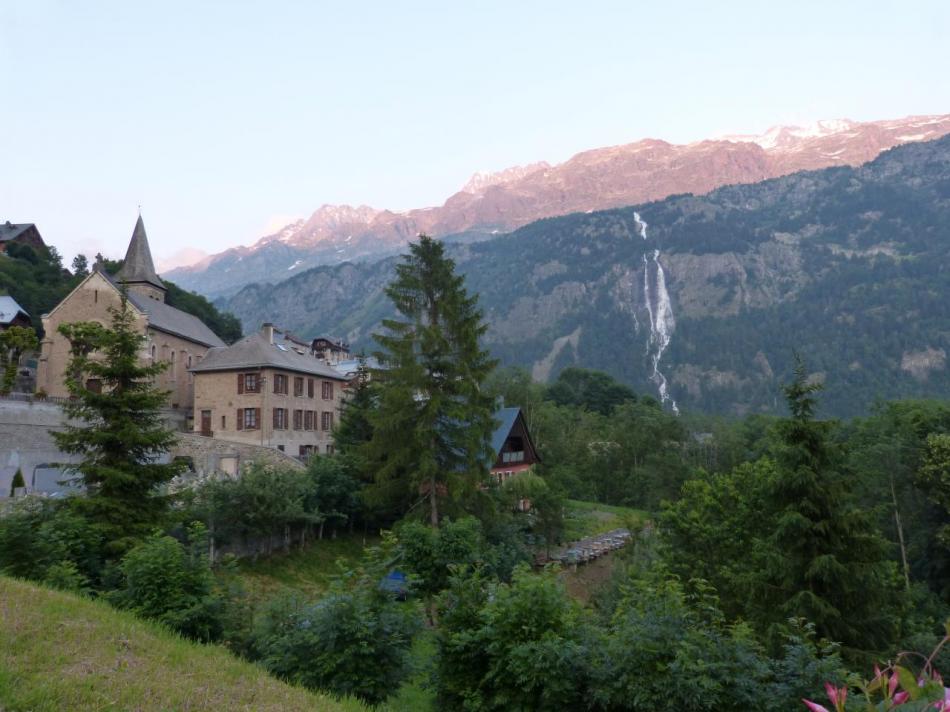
x=167, y=318
x=507, y=416
x=256, y=351
x=11, y=231
x=174, y=321
x=138, y=266
x=9, y=309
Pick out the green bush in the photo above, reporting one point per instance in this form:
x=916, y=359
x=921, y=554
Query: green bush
x=163, y=580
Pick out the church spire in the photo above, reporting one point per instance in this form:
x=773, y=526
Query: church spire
x=138, y=265
x=138, y=268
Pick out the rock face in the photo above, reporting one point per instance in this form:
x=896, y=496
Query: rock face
x=599, y=179
x=845, y=265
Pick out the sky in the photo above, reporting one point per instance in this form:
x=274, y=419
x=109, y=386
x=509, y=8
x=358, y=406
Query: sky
x=227, y=120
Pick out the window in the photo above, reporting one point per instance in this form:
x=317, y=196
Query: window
x=308, y=420
x=224, y=422
x=248, y=418
x=329, y=449
x=280, y=418
x=298, y=420
x=280, y=384
x=153, y=352
x=249, y=383
x=326, y=421
x=309, y=388
x=94, y=385
x=298, y=386
x=327, y=390
x=306, y=451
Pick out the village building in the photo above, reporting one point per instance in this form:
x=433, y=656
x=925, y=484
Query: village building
x=12, y=314
x=512, y=446
x=330, y=349
x=263, y=391
x=21, y=234
x=172, y=336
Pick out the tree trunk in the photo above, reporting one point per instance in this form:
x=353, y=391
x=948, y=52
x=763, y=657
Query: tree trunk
x=900, y=535
x=320, y=534
x=433, y=504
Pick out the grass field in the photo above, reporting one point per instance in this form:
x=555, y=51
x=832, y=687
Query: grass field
x=308, y=571
x=584, y=519
x=61, y=652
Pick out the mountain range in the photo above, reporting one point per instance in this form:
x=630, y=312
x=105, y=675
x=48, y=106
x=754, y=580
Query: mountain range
x=703, y=300
x=603, y=178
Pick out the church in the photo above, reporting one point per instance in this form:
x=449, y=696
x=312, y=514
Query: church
x=171, y=335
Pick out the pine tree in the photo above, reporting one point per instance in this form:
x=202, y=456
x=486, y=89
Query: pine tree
x=18, y=481
x=355, y=428
x=121, y=435
x=830, y=564
x=432, y=429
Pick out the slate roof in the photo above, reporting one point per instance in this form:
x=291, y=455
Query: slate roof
x=9, y=309
x=167, y=318
x=507, y=416
x=174, y=321
x=138, y=265
x=11, y=231
x=255, y=351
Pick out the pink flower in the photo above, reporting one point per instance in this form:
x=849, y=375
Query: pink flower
x=901, y=697
x=892, y=685
x=836, y=695
x=814, y=706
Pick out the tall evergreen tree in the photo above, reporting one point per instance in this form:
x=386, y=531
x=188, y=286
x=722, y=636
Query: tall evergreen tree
x=432, y=429
x=830, y=564
x=355, y=428
x=121, y=434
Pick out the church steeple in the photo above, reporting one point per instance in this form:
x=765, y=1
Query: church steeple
x=138, y=270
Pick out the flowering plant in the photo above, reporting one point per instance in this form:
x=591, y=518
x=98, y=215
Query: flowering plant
x=896, y=686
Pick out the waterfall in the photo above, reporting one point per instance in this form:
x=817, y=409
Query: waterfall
x=660, y=311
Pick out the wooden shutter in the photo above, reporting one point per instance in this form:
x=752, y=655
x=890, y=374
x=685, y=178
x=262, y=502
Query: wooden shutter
x=240, y=383
x=240, y=419
x=257, y=418
x=309, y=388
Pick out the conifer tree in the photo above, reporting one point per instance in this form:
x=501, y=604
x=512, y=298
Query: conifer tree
x=355, y=428
x=830, y=564
x=432, y=429
x=18, y=481
x=121, y=434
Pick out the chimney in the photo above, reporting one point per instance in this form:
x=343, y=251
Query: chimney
x=267, y=330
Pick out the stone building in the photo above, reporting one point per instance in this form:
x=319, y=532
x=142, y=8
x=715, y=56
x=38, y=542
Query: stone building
x=262, y=391
x=171, y=335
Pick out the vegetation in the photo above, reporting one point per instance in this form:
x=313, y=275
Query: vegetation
x=121, y=432
x=59, y=651
x=14, y=342
x=432, y=427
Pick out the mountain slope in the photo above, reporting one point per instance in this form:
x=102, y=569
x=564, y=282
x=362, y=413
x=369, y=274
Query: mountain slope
x=593, y=180
x=62, y=652
x=846, y=265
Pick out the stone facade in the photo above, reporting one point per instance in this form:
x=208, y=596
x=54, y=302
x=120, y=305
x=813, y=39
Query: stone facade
x=90, y=301
x=210, y=455
x=303, y=427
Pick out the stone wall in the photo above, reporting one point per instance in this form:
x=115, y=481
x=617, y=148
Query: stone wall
x=26, y=442
x=214, y=455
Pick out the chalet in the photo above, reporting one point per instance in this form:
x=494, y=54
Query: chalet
x=512, y=445
x=330, y=349
x=179, y=339
x=19, y=233
x=12, y=314
x=261, y=391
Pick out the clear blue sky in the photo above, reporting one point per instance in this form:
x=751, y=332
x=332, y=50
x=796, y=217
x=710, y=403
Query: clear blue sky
x=219, y=118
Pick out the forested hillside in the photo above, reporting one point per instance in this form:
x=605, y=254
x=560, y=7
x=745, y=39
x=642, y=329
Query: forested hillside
x=846, y=265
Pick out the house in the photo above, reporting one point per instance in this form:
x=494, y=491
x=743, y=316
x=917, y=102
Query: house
x=12, y=314
x=20, y=233
x=262, y=391
x=330, y=349
x=171, y=335
x=512, y=445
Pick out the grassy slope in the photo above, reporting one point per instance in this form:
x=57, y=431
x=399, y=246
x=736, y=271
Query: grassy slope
x=58, y=652
x=583, y=519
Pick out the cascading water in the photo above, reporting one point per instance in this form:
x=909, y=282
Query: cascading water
x=660, y=311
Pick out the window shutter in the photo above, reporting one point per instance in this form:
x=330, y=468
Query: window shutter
x=240, y=383
x=257, y=418
x=240, y=419
x=310, y=388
